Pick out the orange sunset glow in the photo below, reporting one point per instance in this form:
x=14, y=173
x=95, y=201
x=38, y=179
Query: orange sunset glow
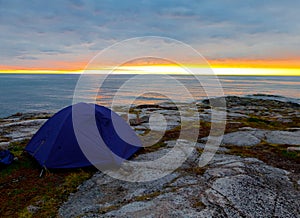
x=283, y=67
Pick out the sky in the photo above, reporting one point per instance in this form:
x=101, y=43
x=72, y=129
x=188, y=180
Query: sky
x=65, y=35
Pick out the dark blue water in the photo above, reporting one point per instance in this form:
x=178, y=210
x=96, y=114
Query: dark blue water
x=28, y=93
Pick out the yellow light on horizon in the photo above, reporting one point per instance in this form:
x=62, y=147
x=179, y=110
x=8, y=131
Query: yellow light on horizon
x=171, y=69
x=41, y=71
x=177, y=70
x=257, y=71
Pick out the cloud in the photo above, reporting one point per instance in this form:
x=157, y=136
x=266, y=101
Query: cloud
x=26, y=57
x=220, y=29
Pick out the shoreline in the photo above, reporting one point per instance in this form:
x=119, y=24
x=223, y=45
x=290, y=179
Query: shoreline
x=259, y=96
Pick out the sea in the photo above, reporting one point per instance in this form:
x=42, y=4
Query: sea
x=50, y=93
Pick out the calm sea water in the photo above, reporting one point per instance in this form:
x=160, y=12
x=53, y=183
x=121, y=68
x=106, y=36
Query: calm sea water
x=28, y=93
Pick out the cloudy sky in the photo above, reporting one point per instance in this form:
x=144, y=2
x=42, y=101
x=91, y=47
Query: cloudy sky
x=67, y=34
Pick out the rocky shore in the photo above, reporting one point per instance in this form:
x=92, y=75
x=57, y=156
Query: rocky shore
x=255, y=172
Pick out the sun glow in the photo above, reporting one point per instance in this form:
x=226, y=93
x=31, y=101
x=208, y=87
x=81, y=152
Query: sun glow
x=257, y=71
x=214, y=69
x=175, y=70
x=36, y=71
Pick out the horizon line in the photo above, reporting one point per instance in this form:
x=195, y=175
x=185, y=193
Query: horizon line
x=169, y=70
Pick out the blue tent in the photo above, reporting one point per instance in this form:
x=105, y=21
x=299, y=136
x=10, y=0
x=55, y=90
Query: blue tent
x=83, y=135
x=6, y=157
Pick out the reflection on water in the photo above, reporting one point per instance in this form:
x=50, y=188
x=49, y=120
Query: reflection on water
x=22, y=93
x=285, y=86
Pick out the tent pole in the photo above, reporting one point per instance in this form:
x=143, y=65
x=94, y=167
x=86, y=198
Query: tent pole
x=42, y=172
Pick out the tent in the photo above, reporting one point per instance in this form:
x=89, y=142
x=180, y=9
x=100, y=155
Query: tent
x=83, y=135
x=6, y=157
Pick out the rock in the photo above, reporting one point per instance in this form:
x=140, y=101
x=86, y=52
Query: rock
x=284, y=120
x=138, y=121
x=168, y=106
x=237, y=115
x=21, y=129
x=207, y=146
x=293, y=149
x=252, y=137
x=4, y=145
x=259, y=191
x=283, y=137
x=205, y=117
x=240, y=138
x=229, y=186
x=243, y=138
x=247, y=128
x=32, y=209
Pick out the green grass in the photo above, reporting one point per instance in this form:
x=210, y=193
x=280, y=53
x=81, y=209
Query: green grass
x=147, y=197
x=291, y=154
x=17, y=148
x=272, y=154
x=272, y=124
x=23, y=160
x=56, y=195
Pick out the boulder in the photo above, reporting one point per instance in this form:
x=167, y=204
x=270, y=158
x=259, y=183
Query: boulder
x=283, y=137
x=138, y=121
x=229, y=186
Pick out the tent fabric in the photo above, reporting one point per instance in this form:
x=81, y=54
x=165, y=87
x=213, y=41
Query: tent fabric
x=6, y=157
x=57, y=144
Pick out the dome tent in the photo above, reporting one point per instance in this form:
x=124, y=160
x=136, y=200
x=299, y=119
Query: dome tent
x=55, y=145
